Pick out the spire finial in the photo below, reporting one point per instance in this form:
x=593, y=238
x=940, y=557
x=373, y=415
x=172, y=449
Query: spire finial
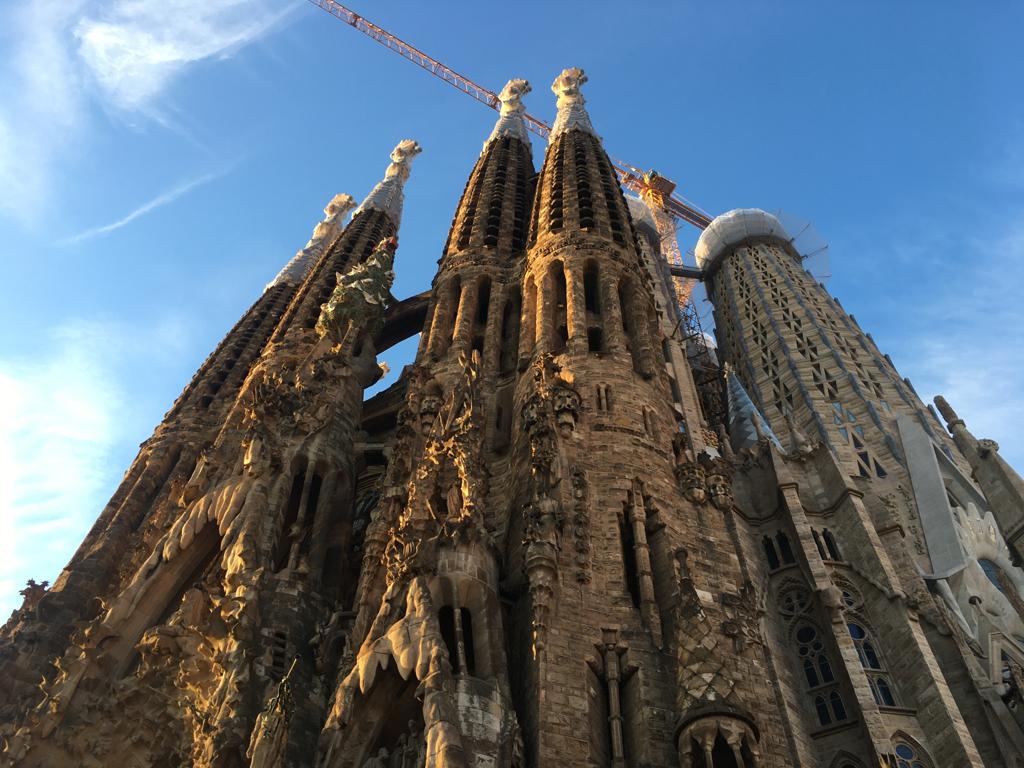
x=324, y=232
x=388, y=196
x=572, y=112
x=511, y=122
x=947, y=412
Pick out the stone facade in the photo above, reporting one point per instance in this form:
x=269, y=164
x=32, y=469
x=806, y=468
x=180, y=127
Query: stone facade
x=563, y=537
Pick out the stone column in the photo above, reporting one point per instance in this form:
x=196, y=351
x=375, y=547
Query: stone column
x=648, y=603
x=615, y=340
x=576, y=310
x=463, y=338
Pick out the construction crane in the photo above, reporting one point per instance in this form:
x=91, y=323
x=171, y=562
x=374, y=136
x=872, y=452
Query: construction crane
x=655, y=190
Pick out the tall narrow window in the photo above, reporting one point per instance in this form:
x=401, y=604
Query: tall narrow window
x=591, y=289
x=291, y=515
x=881, y=688
x=831, y=545
x=529, y=332
x=629, y=566
x=818, y=676
x=818, y=544
x=510, y=333
x=770, y=553
x=784, y=548
x=559, y=317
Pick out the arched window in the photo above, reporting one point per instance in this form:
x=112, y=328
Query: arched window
x=881, y=689
x=784, y=548
x=510, y=333
x=830, y=545
x=558, y=299
x=770, y=553
x=908, y=756
x=818, y=544
x=811, y=649
x=818, y=675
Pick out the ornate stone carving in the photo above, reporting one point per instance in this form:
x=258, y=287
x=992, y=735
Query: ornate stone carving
x=543, y=517
x=580, y=523
x=743, y=612
x=356, y=306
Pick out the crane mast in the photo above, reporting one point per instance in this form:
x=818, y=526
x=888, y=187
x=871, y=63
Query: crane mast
x=655, y=190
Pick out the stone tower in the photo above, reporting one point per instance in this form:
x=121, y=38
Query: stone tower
x=549, y=542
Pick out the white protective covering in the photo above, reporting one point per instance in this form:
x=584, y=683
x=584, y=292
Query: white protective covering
x=732, y=228
x=388, y=195
x=572, y=112
x=511, y=122
x=296, y=270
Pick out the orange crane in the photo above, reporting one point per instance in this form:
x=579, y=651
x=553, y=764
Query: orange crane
x=657, y=191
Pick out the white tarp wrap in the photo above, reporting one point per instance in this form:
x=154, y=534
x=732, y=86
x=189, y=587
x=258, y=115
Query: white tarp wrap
x=295, y=271
x=388, y=195
x=572, y=112
x=732, y=228
x=511, y=122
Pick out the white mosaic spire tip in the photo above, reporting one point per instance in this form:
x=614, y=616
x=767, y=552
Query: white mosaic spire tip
x=295, y=271
x=388, y=195
x=572, y=112
x=511, y=122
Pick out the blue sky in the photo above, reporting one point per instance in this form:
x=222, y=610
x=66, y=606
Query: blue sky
x=160, y=161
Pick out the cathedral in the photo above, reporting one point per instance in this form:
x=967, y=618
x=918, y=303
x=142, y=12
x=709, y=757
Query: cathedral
x=571, y=533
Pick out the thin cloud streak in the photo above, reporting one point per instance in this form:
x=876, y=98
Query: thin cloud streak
x=157, y=202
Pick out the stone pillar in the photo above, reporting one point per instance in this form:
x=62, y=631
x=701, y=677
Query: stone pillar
x=463, y=338
x=615, y=340
x=576, y=311
x=545, y=327
x=493, y=332
x=440, y=329
x=648, y=603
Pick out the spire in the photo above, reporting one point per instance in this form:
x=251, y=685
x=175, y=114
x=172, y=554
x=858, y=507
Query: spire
x=511, y=122
x=324, y=232
x=572, y=114
x=746, y=424
x=388, y=196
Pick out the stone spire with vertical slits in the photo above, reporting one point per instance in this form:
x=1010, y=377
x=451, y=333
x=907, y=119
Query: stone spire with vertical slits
x=388, y=196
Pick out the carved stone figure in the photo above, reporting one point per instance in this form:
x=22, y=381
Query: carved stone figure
x=357, y=304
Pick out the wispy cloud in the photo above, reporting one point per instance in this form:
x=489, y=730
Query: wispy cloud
x=134, y=48
x=62, y=58
x=64, y=416
x=160, y=200
x=967, y=346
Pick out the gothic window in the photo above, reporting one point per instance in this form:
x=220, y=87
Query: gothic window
x=907, y=756
x=818, y=544
x=454, y=297
x=881, y=689
x=483, y=303
x=503, y=419
x=830, y=545
x=597, y=709
x=529, y=331
x=559, y=318
x=629, y=564
x=818, y=675
x=784, y=548
x=770, y=553
x=510, y=333
x=816, y=666
x=604, y=397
